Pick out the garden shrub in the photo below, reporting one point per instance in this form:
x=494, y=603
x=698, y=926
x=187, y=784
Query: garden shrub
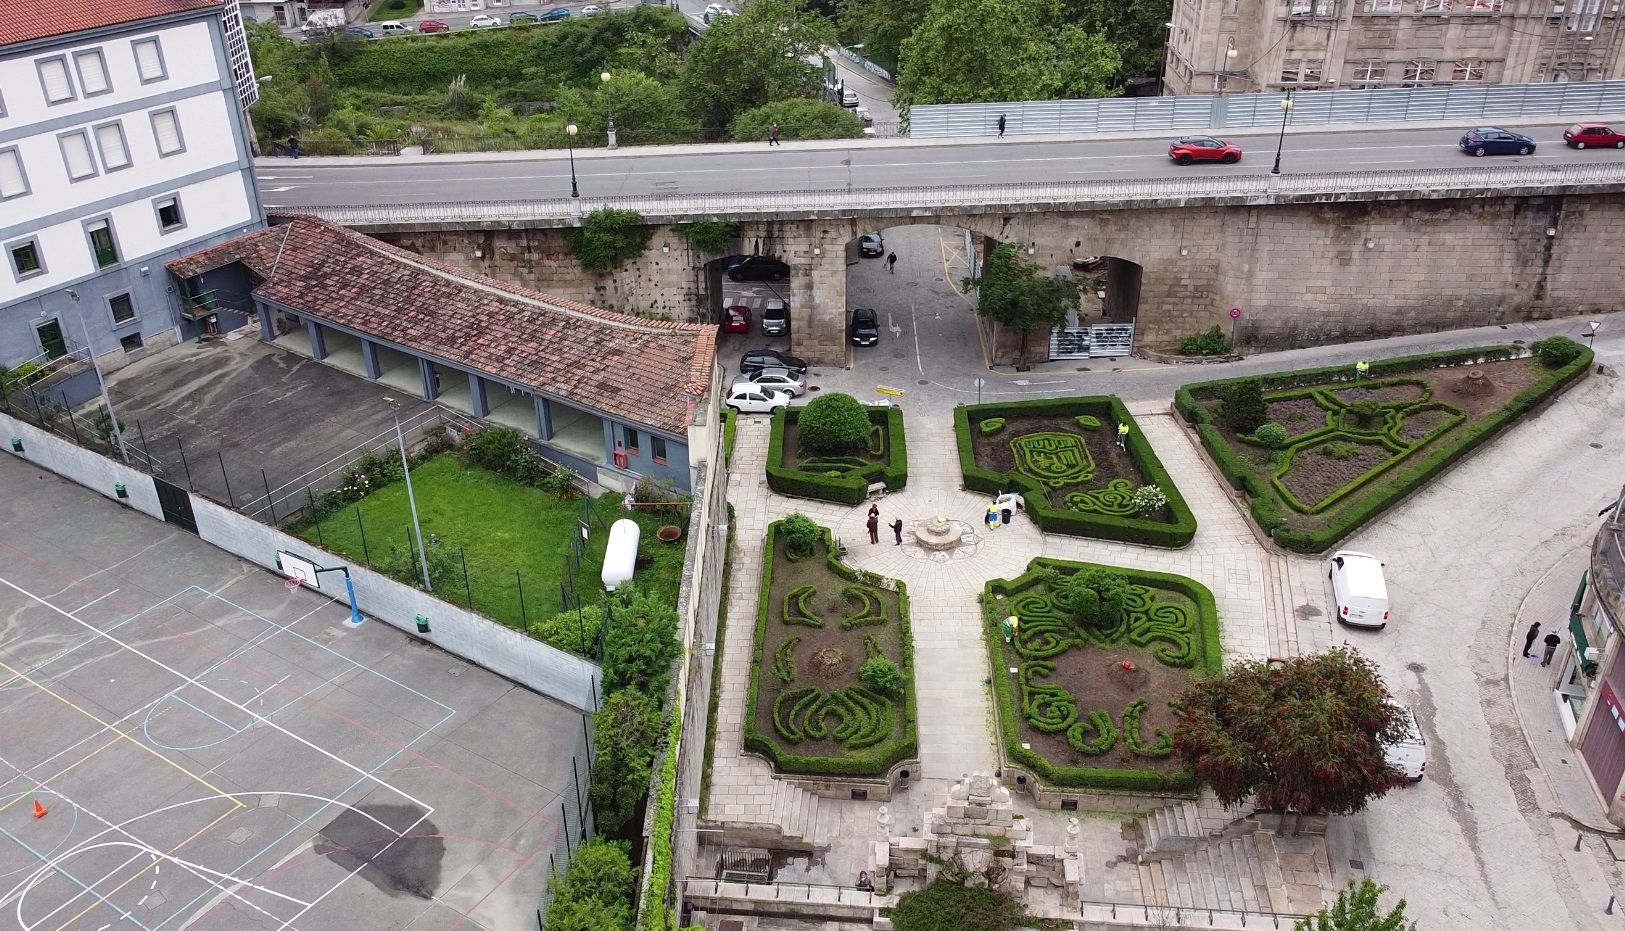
x=641, y=642
x=888, y=464
x=1096, y=596
x=1099, y=725
x=834, y=424
x=608, y=238
x=784, y=660
x=629, y=727
x=574, y=631
x=1087, y=421
x=1210, y=342
x=1244, y=409
x=871, y=611
x=801, y=536
x=1341, y=450
x=991, y=425
x=1162, y=744
x=1272, y=434
x=1554, y=352
x=710, y=236
x=595, y=891
x=1149, y=499
x=882, y=675
x=1366, y=412
x=946, y=905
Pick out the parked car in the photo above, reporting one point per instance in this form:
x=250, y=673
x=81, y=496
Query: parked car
x=1359, y=594
x=790, y=382
x=1593, y=136
x=592, y=9
x=754, y=360
x=394, y=27
x=749, y=399
x=775, y=317
x=849, y=98
x=1409, y=754
x=736, y=319
x=1493, y=140
x=715, y=8
x=358, y=32
x=433, y=25
x=759, y=268
x=484, y=21
x=1188, y=149
x=555, y=14
x=515, y=19
x=864, y=329
x=871, y=245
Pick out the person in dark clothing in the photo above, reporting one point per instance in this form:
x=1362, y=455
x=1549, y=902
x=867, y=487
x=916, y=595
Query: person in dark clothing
x=1001, y=125
x=1551, y=640
x=773, y=134
x=293, y=146
x=1529, y=638
x=874, y=525
x=897, y=530
x=891, y=263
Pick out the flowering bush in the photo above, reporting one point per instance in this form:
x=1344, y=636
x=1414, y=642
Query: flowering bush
x=1149, y=499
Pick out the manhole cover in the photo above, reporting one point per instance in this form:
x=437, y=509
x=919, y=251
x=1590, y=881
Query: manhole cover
x=1516, y=342
x=923, y=381
x=885, y=368
x=1596, y=445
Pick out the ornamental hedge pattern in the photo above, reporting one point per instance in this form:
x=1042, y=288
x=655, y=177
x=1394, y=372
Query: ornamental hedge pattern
x=842, y=479
x=1410, y=442
x=1173, y=619
x=1046, y=461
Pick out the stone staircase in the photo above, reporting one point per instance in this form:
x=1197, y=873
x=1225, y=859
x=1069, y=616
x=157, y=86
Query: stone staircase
x=795, y=811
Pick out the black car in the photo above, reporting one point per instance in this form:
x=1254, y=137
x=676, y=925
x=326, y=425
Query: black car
x=754, y=360
x=864, y=330
x=871, y=245
x=1493, y=140
x=759, y=268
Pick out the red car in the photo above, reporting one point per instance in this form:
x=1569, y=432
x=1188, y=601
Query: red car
x=1593, y=136
x=434, y=25
x=1187, y=149
x=736, y=319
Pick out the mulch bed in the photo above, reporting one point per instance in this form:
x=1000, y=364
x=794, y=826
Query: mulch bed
x=1387, y=394
x=994, y=452
x=1313, y=475
x=1421, y=424
x=1313, y=416
x=792, y=448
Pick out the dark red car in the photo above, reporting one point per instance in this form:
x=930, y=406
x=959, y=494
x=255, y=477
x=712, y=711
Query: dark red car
x=434, y=25
x=1593, y=136
x=1187, y=149
x=736, y=319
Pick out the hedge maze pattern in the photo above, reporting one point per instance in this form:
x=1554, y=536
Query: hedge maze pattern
x=784, y=660
x=1117, y=497
x=862, y=718
x=1054, y=459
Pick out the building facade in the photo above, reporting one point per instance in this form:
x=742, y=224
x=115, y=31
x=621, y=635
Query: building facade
x=123, y=144
x=1242, y=46
x=1590, y=683
x=291, y=14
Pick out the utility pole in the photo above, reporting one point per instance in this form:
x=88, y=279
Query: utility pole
x=411, y=500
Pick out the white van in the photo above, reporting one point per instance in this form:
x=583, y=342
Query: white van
x=1359, y=595
x=394, y=27
x=1409, y=754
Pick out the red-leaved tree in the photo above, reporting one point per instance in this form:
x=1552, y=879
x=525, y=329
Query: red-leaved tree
x=1304, y=734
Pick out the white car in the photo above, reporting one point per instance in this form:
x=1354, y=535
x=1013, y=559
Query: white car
x=591, y=10
x=1409, y=754
x=774, y=380
x=751, y=399
x=712, y=9
x=484, y=21
x=1359, y=594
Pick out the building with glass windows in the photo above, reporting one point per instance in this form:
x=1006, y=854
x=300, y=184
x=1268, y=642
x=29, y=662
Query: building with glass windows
x=1590, y=683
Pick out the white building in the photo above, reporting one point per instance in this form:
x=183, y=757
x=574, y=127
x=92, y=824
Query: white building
x=123, y=144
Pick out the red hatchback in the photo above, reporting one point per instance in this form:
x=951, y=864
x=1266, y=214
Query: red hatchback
x=1187, y=149
x=1593, y=136
x=736, y=319
x=434, y=25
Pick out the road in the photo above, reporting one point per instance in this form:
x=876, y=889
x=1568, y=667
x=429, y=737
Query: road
x=868, y=164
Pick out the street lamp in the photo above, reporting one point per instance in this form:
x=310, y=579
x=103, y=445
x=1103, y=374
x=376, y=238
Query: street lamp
x=610, y=99
x=411, y=501
x=1286, y=111
x=570, y=138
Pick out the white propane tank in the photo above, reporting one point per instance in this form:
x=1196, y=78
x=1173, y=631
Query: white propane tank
x=621, y=556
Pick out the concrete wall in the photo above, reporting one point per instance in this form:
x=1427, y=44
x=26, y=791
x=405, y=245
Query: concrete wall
x=504, y=651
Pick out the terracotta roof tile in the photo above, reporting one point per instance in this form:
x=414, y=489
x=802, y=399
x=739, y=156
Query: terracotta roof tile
x=25, y=20
x=648, y=372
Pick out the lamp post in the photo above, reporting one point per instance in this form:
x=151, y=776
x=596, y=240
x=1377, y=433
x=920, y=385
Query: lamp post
x=1286, y=111
x=411, y=500
x=610, y=99
x=570, y=138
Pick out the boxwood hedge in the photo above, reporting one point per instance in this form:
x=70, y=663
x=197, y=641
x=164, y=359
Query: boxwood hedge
x=850, y=487
x=1108, y=410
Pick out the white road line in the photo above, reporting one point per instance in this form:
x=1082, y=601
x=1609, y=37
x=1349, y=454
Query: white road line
x=261, y=693
x=89, y=603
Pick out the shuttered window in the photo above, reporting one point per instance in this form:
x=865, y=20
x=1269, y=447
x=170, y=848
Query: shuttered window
x=166, y=130
x=13, y=183
x=110, y=142
x=53, y=77
x=92, y=72
x=76, y=155
x=149, y=61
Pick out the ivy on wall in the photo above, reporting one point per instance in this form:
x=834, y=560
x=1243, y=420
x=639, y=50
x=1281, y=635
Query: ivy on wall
x=711, y=235
x=608, y=238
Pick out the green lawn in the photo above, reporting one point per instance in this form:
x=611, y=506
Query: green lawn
x=507, y=531
x=387, y=12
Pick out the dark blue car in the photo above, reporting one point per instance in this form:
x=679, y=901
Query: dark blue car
x=358, y=32
x=555, y=14
x=1492, y=140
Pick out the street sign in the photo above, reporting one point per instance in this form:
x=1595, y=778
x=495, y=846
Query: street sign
x=895, y=392
x=1235, y=313
x=979, y=383
x=982, y=381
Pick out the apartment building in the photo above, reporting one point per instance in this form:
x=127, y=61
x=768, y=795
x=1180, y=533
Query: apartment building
x=123, y=144
x=1242, y=46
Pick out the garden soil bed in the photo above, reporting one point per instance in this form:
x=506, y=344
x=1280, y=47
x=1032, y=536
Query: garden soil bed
x=994, y=452
x=792, y=448
x=1310, y=416
x=1314, y=476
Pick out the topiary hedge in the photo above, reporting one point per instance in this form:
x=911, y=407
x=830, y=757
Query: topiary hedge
x=1129, y=527
x=851, y=485
x=1402, y=476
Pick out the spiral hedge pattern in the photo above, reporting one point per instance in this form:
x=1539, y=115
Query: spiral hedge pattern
x=1116, y=498
x=861, y=717
x=1162, y=744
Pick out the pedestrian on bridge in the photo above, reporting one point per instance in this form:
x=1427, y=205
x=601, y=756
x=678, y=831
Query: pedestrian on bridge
x=1001, y=125
x=773, y=134
x=891, y=263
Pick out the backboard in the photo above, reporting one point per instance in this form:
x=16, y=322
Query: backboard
x=297, y=567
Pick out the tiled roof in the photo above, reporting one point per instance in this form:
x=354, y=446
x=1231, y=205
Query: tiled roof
x=648, y=372
x=25, y=20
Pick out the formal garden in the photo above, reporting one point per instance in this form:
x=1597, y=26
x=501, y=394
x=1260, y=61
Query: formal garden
x=1085, y=660
x=831, y=687
x=1062, y=455
x=834, y=448
x=1322, y=451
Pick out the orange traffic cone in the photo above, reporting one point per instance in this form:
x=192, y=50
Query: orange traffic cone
x=39, y=810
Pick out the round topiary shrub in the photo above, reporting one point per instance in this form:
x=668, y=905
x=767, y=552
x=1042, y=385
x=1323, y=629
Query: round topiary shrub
x=800, y=535
x=834, y=424
x=1271, y=435
x=882, y=675
x=1097, y=597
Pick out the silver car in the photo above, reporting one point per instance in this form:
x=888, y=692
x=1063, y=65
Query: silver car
x=786, y=380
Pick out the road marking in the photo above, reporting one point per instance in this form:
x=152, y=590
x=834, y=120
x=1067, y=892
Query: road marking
x=281, y=177
x=278, y=190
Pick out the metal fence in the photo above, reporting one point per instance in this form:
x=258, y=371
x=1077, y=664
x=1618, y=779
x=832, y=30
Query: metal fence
x=1464, y=103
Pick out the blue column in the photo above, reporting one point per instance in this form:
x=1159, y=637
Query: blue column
x=318, y=342
x=426, y=373
x=267, y=331
x=369, y=360
x=544, y=418
x=476, y=395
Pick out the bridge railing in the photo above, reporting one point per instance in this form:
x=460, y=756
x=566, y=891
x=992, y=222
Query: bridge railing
x=857, y=201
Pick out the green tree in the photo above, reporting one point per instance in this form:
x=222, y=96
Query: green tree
x=881, y=26
x=1304, y=733
x=646, y=111
x=1135, y=29
x=833, y=424
x=1013, y=293
x=629, y=728
x=641, y=643
x=754, y=58
x=575, y=51
x=1097, y=596
x=1357, y=909
x=946, y=905
x=798, y=118
x=991, y=50
x=1243, y=407
x=595, y=892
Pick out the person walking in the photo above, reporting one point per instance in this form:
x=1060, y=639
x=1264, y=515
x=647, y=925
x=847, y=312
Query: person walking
x=874, y=525
x=897, y=530
x=773, y=134
x=293, y=146
x=1529, y=639
x=1551, y=640
x=891, y=263
x=1001, y=125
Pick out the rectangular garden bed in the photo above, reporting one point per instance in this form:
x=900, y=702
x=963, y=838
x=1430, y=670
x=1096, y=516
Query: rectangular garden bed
x=842, y=479
x=809, y=710
x=1061, y=454
x=1348, y=450
x=1087, y=705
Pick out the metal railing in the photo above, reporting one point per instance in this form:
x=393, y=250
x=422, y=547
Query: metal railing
x=783, y=892
x=1472, y=181
x=1466, y=103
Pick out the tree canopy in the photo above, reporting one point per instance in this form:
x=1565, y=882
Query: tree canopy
x=1357, y=909
x=1015, y=294
x=754, y=58
x=991, y=50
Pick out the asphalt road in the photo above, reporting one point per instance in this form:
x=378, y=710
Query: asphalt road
x=871, y=164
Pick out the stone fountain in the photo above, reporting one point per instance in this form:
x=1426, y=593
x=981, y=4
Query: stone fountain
x=938, y=534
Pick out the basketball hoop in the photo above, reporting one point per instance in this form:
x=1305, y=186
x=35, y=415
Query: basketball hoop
x=292, y=583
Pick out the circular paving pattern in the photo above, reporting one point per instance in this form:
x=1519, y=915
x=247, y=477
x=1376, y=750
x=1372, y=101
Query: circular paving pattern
x=968, y=541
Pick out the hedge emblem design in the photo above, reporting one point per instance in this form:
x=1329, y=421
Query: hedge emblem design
x=1055, y=459
x=784, y=660
x=861, y=718
x=1116, y=499
x=871, y=611
x=797, y=610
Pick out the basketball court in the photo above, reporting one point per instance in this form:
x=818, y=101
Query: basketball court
x=188, y=743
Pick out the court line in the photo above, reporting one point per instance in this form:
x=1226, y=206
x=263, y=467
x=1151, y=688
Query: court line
x=85, y=739
x=93, y=601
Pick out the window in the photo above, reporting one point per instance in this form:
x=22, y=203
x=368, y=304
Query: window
x=2, y=105
x=1420, y=71
x=1382, y=6
x=1230, y=7
x=92, y=68
x=149, y=60
x=1482, y=6
x=1371, y=71
x=632, y=442
x=26, y=261
x=1468, y=70
x=1291, y=70
x=657, y=449
x=1313, y=70
x=1302, y=70
x=1432, y=6
x=1299, y=7
x=102, y=245
x=166, y=131
x=1325, y=7
x=110, y=142
x=13, y=183
x=169, y=213
x=53, y=77
x=76, y=155
x=123, y=310
x=131, y=343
